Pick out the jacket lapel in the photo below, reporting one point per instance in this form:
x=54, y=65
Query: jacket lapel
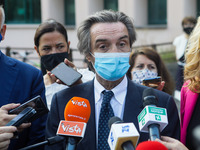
x=89, y=141
x=133, y=104
x=189, y=106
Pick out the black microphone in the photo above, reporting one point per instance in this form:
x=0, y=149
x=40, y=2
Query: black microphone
x=152, y=119
x=122, y=135
x=196, y=135
x=49, y=141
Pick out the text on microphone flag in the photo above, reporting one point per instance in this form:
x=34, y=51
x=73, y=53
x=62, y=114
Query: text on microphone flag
x=71, y=128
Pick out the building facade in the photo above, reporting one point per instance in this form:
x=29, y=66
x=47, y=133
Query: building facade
x=156, y=21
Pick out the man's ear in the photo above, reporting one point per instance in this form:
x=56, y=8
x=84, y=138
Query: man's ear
x=89, y=58
x=3, y=31
x=37, y=50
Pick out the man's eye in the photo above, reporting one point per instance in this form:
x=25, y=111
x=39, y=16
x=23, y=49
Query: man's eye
x=139, y=66
x=102, y=46
x=46, y=49
x=122, y=44
x=60, y=47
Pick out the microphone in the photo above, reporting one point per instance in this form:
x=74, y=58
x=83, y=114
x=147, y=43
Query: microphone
x=76, y=113
x=152, y=119
x=151, y=145
x=196, y=135
x=122, y=136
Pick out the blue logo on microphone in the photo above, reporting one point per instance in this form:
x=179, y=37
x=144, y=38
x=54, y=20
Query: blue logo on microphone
x=111, y=138
x=125, y=128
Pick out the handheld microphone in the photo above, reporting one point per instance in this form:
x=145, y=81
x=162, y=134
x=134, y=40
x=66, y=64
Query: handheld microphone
x=152, y=119
x=196, y=135
x=122, y=136
x=77, y=113
x=151, y=145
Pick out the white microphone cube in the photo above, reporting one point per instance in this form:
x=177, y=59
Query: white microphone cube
x=150, y=115
x=120, y=133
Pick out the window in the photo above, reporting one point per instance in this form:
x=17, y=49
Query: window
x=157, y=12
x=69, y=12
x=198, y=8
x=111, y=4
x=22, y=11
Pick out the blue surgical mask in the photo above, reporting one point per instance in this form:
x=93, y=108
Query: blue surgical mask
x=111, y=66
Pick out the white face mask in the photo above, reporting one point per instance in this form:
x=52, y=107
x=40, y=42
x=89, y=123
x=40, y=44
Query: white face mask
x=140, y=75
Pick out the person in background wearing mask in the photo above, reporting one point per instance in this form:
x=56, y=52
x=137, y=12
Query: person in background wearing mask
x=180, y=42
x=52, y=46
x=106, y=38
x=146, y=63
x=19, y=82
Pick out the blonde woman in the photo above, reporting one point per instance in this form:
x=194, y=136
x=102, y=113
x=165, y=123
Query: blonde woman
x=190, y=100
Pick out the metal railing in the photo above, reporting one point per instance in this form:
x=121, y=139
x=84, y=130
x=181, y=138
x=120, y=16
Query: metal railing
x=29, y=55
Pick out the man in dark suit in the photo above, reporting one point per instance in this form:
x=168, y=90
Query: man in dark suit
x=19, y=82
x=106, y=39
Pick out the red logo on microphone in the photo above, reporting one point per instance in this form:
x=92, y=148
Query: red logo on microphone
x=71, y=128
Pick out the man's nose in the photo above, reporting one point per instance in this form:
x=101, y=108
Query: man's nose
x=115, y=49
x=54, y=50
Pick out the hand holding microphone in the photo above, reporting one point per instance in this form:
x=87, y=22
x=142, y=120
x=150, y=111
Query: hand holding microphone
x=172, y=143
x=122, y=136
x=152, y=119
x=76, y=113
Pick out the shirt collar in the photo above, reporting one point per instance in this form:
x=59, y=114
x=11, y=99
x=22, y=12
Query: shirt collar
x=119, y=91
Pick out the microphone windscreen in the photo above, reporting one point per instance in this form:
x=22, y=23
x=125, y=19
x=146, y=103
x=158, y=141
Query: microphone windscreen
x=151, y=145
x=149, y=97
x=114, y=120
x=77, y=109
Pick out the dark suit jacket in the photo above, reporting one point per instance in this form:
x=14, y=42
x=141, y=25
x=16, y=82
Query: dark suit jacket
x=133, y=106
x=20, y=82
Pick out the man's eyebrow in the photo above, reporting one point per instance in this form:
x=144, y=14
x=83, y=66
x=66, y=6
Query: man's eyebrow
x=100, y=40
x=125, y=36
x=46, y=46
x=59, y=44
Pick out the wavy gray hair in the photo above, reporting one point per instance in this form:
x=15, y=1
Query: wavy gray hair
x=2, y=16
x=104, y=16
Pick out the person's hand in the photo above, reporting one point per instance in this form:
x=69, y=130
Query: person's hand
x=172, y=144
x=6, y=133
x=4, y=116
x=53, y=77
x=161, y=86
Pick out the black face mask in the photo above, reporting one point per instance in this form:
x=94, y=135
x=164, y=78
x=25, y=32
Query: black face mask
x=52, y=60
x=188, y=30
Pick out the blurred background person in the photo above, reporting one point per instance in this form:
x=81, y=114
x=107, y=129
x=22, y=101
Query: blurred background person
x=52, y=46
x=190, y=100
x=180, y=43
x=20, y=82
x=147, y=63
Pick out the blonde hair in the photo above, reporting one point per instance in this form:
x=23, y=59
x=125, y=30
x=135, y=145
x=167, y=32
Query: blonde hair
x=192, y=56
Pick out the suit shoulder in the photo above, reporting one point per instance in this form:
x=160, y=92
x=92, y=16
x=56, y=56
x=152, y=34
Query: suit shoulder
x=77, y=89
